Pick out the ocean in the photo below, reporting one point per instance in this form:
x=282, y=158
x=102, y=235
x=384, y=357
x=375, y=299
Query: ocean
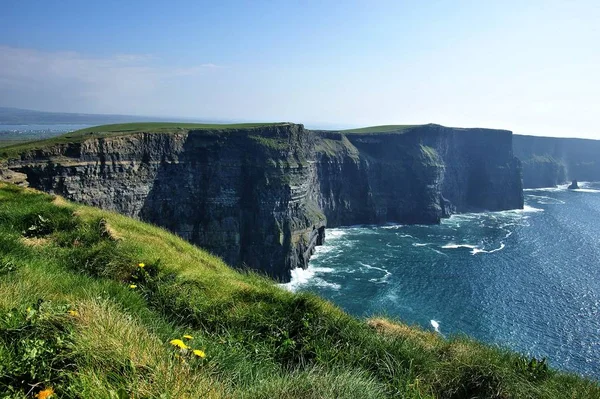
x=528, y=280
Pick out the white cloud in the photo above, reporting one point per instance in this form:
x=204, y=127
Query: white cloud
x=70, y=81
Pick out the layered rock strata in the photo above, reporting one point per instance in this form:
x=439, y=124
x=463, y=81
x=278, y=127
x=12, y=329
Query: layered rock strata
x=262, y=197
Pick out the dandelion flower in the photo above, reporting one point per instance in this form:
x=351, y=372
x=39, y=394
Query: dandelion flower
x=73, y=313
x=178, y=343
x=132, y=286
x=46, y=393
x=141, y=265
x=199, y=353
x=188, y=337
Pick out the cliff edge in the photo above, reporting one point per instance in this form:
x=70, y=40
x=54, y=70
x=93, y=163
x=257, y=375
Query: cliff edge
x=261, y=195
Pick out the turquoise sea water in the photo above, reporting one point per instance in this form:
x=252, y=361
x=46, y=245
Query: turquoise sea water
x=527, y=279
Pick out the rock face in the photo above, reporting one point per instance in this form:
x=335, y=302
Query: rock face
x=573, y=185
x=549, y=161
x=261, y=197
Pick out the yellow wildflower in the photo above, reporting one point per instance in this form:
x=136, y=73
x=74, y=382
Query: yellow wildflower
x=141, y=265
x=199, y=353
x=132, y=286
x=46, y=393
x=73, y=313
x=188, y=337
x=28, y=310
x=178, y=343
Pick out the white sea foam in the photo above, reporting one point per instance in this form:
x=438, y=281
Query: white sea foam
x=455, y=246
x=560, y=187
x=529, y=209
x=378, y=280
x=332, y=234
x=321, y=250
x=418, y=244
x=301, y=277
x=319, y=282
x=526, y=209
x=392, y=226
x=586, y=190
x=545, y=200
x=435, y=325
x=476, y=251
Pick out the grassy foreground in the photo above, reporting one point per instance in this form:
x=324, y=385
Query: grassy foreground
x=97, y=305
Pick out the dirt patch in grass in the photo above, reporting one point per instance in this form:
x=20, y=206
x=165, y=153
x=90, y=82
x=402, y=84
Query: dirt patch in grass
x=34, y=241
x=60, y=201
x=425, y=339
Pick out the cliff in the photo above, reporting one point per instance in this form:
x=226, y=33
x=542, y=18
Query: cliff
x=549, y=161
x=260, y=196
x=417, y=174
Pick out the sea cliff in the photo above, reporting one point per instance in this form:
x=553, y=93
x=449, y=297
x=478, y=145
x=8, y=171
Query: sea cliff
x=261, y=196
x=549, y=161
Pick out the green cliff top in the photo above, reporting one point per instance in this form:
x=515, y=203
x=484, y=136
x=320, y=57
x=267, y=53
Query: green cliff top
x=97, y=305
x=115, y=130
x=164, y=127
x=382, y=129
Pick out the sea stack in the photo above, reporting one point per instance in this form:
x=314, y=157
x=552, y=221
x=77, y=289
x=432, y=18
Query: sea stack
x=574, y=185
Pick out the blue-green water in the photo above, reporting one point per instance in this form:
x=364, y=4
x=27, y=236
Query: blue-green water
x=528, y=280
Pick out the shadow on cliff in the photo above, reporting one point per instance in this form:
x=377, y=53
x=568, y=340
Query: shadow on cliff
x=222, y=192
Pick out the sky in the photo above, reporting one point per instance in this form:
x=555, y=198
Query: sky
x=531, y=66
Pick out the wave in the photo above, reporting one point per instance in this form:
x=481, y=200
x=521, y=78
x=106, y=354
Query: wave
x=332, y=234
x=586, y=190
x=560, y=187
x=455, y=246
x=418, y=244
x=300, y=277
x=545, y=200
x=377, y=280
x=476, y=251
x=319, y=282
x=392, y=226
x=526, y=209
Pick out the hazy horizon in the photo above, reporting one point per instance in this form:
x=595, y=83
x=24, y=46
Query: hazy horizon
x=529, y=68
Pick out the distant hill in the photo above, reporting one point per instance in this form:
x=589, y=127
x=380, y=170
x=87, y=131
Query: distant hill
x=18, y=116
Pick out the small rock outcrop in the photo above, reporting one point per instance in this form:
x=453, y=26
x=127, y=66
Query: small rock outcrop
x=574, y=185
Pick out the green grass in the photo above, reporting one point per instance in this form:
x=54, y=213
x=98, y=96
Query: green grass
x=9, y=142
x=163, y=127
x=70, y=320
x=123, y=129
x=382, y=129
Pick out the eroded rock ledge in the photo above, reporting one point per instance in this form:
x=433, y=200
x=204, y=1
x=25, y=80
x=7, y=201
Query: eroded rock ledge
x=261, y=197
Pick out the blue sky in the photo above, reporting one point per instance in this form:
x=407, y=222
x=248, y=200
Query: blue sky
x=528, y=66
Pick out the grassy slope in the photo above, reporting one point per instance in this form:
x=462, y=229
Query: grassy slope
x=70, y=320
x=10, y=142
x=121, y=130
